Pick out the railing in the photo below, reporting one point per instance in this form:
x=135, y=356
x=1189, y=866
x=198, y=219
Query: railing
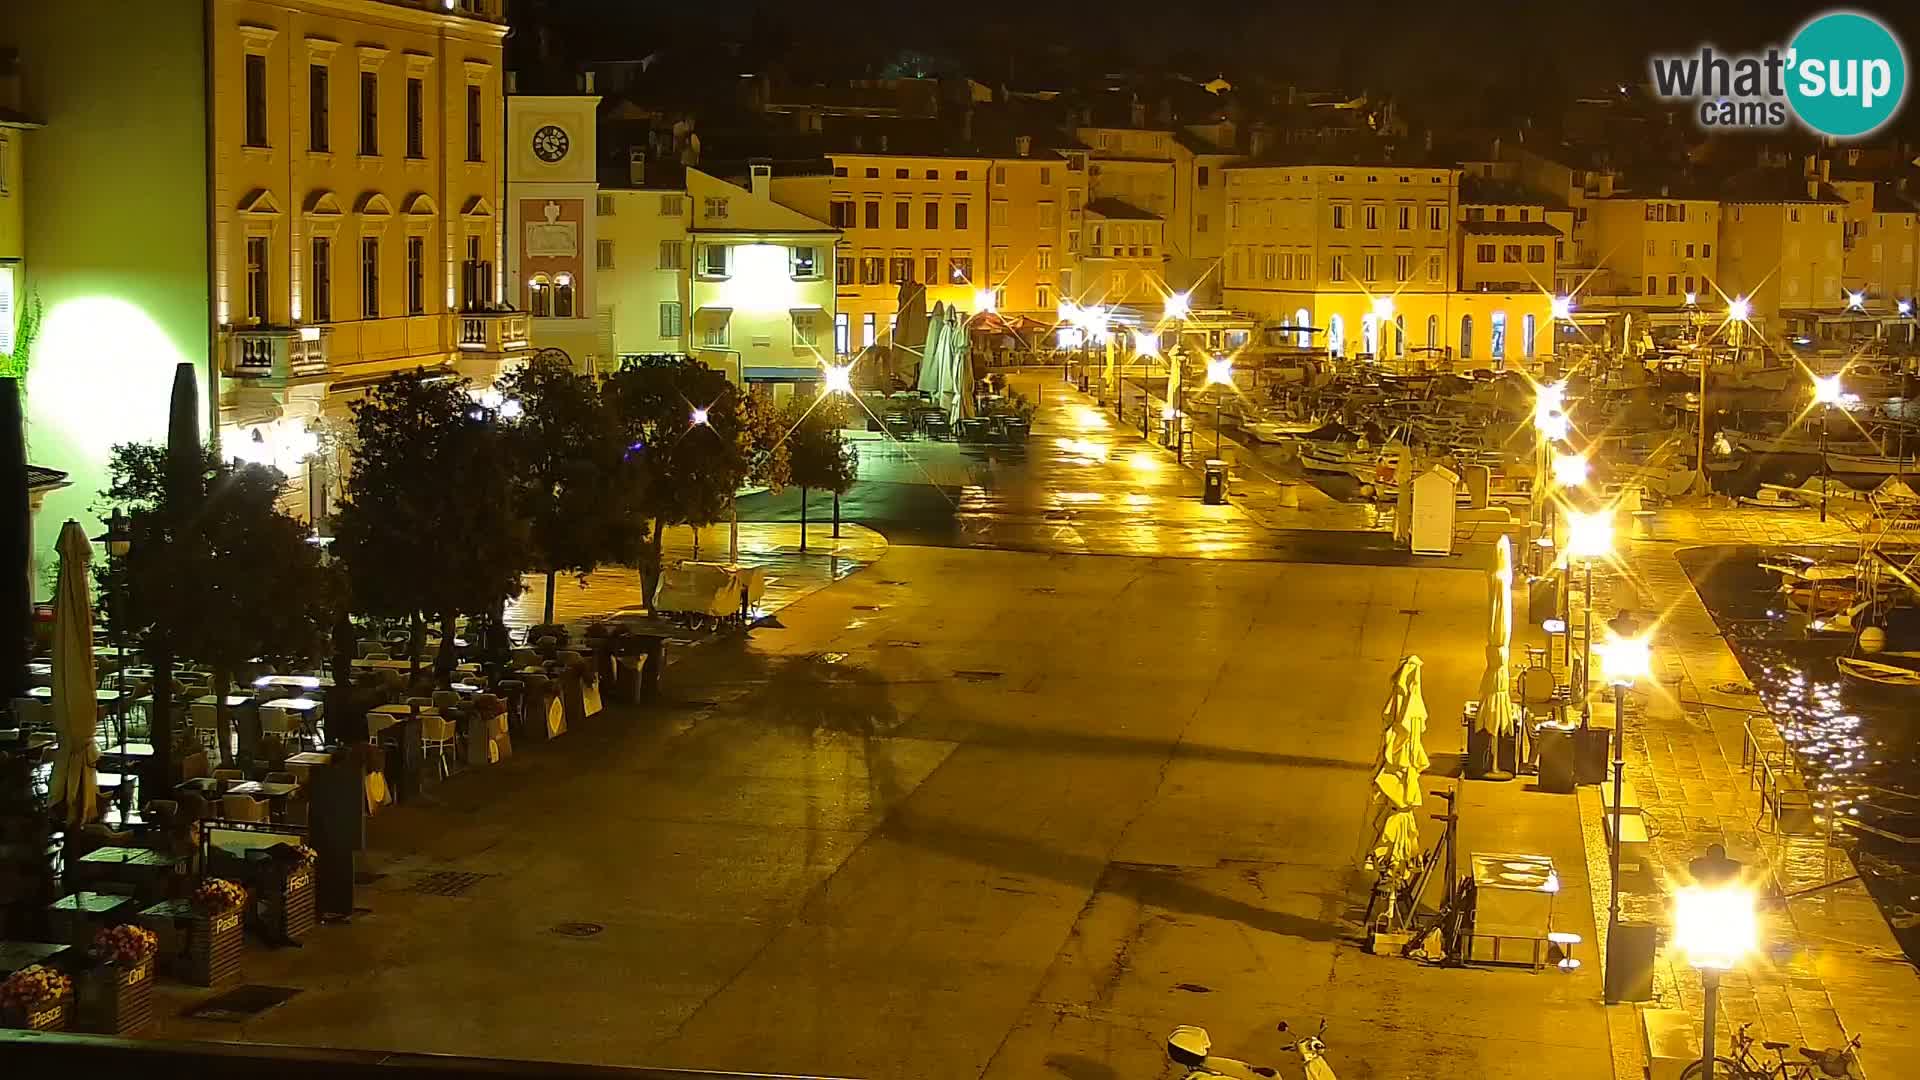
x=496, y=332
x=270, y=353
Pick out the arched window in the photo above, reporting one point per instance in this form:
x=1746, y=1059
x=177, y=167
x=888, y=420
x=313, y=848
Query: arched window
x=1369, y=336
x=1526, y=336
x=563, y=296
x=539, y=297
x=1466, y=337
x=1400, y=337
x=1302, y=319
x=1336, y=336
x=1497, y=345
x=1433, y=331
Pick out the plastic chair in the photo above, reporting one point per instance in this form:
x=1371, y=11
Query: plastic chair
x=195, y=766
x=242, y=808
x=436, y=738
x=31, y=713
x=281, y=778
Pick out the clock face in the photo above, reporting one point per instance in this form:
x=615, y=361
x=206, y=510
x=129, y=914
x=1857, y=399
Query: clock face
x=550, y=144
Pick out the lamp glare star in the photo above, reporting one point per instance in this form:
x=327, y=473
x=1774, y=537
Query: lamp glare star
x=838, y=378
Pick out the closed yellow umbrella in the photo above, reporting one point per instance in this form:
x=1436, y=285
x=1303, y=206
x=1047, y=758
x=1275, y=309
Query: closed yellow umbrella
x=76, y=711
x=1497, y=714
x=1396, y=796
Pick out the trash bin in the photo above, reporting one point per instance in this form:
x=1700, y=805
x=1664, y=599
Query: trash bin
x=1216, y=490
x=1555, y=744
x=1590, y=746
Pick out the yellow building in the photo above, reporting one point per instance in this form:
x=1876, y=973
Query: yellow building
x=1124, y=260
x=356, y=156
x=294, y=198
x=14, y=125
x=1780, y=250
x=1654, y=251
x=760, y=297
x=1877, y=261
x=643, y=279
x=553, y=247
x=1031, y=242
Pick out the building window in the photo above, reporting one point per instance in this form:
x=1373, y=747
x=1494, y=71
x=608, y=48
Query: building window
x=6, y=307
x=998, y=265
x=1400, y=337
x=1369, y=268
x=1536, y=253
x=1201, y=176
x=842, y=334
x=806, y=329
x=714, y=208
x=1706, y=251
x=1433, y=269
x=1043, y=298
x=1000, y=175
x=959, y=174
x=670, y=318
x=603, y=205
x=1339, y=215
x=933, y=215
x=840, y=214
x=1046, y=176
x=997, y=213
x=1200, y=223
x=319, y=137
x=563, y=296
x=1338, y=271
x=960, y=269
x=603, y=254
x=369, y=114
x=1653, y=286
x=900, y=270
x=933, y=270
x=370, y=277
x=1526, y=335
x=899, y=174
x=960, y=215
x=1436, y=218
x=903, y=215
x=1406, y=217
x=1336, y=335
x=256, y=90
x=416, y=275
x=866, y=330
x=477, y=279
x=873, y=270
x=843, y=270
x=1402, y=267
x=1485, y=253
x=1433, y=331
x=1497, y=338
x=476, y=126
x=257, y=279
x=933, y=174
x=1373, y=217
x=1510, y=253
x=806, y=264
x=670, y=252
x=714, y=261
x=873, y=214
x=873, y=174
x=1043, y=259
x=416, y=119
x=320, y=287
x=1466, y=337
x=672, y=205
x=714, y=335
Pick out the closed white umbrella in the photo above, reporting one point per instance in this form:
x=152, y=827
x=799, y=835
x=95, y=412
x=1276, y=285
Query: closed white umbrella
x=76, y=711
x=1396, y=780
x=1497, y=714
x=963, y=377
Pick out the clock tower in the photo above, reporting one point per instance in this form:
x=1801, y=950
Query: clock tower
x=552, y=238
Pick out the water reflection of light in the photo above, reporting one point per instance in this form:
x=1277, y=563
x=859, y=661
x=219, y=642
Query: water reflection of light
x=1089, y=418
x=1141, y=461
x=1079, y=496
x=1136, y=498
x=1086, y=449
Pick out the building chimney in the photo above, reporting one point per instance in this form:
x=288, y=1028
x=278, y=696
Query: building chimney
x=1826, y=167
x=1138, y=114
x=1023, y=145
x=513, y=83
x=1813, y=187
x=761, y=180
x=637, y=166
x=586, y=82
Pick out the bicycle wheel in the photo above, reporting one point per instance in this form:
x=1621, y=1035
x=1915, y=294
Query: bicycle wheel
x=1723, y=1069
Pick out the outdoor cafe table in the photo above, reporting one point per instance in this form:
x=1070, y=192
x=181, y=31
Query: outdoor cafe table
x=15, y=955
x=234, y=701
x=45, y=693
x=77, y=915
x=301, y=683
x=382, y=717
x=130, y=750
x=40, y=673
x=141, y=868
x=301, y=765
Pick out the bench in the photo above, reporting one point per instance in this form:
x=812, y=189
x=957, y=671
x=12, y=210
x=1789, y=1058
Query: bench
x=1633, y=840
x=1629, y=798
x=1671, y=1042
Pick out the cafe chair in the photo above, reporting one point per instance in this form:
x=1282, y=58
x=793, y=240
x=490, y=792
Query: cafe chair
x=242, y=808
x=32, y=714
x=281, y=778
x=195, y=766
x=436, y=738
x=206, y=725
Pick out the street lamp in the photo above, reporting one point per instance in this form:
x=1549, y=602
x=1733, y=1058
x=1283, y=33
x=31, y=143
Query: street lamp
x=1626, y=658
x=1562, y=308
x=1589, y=537
x=1178, y=305
x=1145, y=344
x=1826, y=394
x=118, y=540
x=1856, y=301
x=699, y=418
x=1569, y=470
x=982, y=300
x=1715, y=926
x=838, y=379
x=1219, y=376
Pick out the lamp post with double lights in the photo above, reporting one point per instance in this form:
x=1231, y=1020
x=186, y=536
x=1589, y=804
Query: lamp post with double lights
x=1826, y=394
x=1589, y=537
x=1715, y=927
x=839, y=380
x=1627, y=657
x=1145, y=344
x=1220, y=379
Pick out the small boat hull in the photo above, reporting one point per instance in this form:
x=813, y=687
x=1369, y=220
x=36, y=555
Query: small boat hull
x=1884, y=678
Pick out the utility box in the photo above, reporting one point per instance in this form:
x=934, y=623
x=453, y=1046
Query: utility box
x=1216, y=489
x=1433, y=511
x=1479, y=481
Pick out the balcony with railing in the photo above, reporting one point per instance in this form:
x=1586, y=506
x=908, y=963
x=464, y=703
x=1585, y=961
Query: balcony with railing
x=493, y=333
x=484, y=10
x=276, y=355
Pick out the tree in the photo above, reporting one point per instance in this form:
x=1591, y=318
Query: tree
x=687, y=433
x=820, y=456
x=578, y=492
x=428, y=524
x=233, y=581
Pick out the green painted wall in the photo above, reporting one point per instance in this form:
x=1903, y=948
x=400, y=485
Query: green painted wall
x=116, y=244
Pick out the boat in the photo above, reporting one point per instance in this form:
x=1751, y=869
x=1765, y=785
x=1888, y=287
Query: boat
x=1335, y=448
x=1878, y=676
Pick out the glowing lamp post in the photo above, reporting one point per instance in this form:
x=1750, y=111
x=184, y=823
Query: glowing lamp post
x=1627, y=658
x=1146, y=345
x=1179, y=305
x=1715, y=926
x=1569, y=470
x=1826, y=394
x=837, y=380
x=1589, y=537
x=982, y=300
x=1220, y=377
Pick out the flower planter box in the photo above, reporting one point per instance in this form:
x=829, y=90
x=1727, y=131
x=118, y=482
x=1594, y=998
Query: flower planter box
x=116, y=1000
x=284, y=906
x=52, y=1018
x=214, y=943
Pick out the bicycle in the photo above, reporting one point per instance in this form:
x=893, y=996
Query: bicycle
x=1744, y=1064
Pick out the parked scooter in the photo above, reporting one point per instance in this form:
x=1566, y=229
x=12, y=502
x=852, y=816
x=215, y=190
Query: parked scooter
x=1190, y=1047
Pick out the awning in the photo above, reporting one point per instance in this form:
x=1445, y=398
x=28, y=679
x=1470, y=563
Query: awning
x=757, y=373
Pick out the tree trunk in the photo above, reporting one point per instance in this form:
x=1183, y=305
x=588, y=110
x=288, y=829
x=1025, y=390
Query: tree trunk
x=416, y=644
x=444, y=664
x=16, y=545
x=223, y=717
x=836, y=515
x=345, y=648
x=160, y=721
x=552, y=575
x=803, y=519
